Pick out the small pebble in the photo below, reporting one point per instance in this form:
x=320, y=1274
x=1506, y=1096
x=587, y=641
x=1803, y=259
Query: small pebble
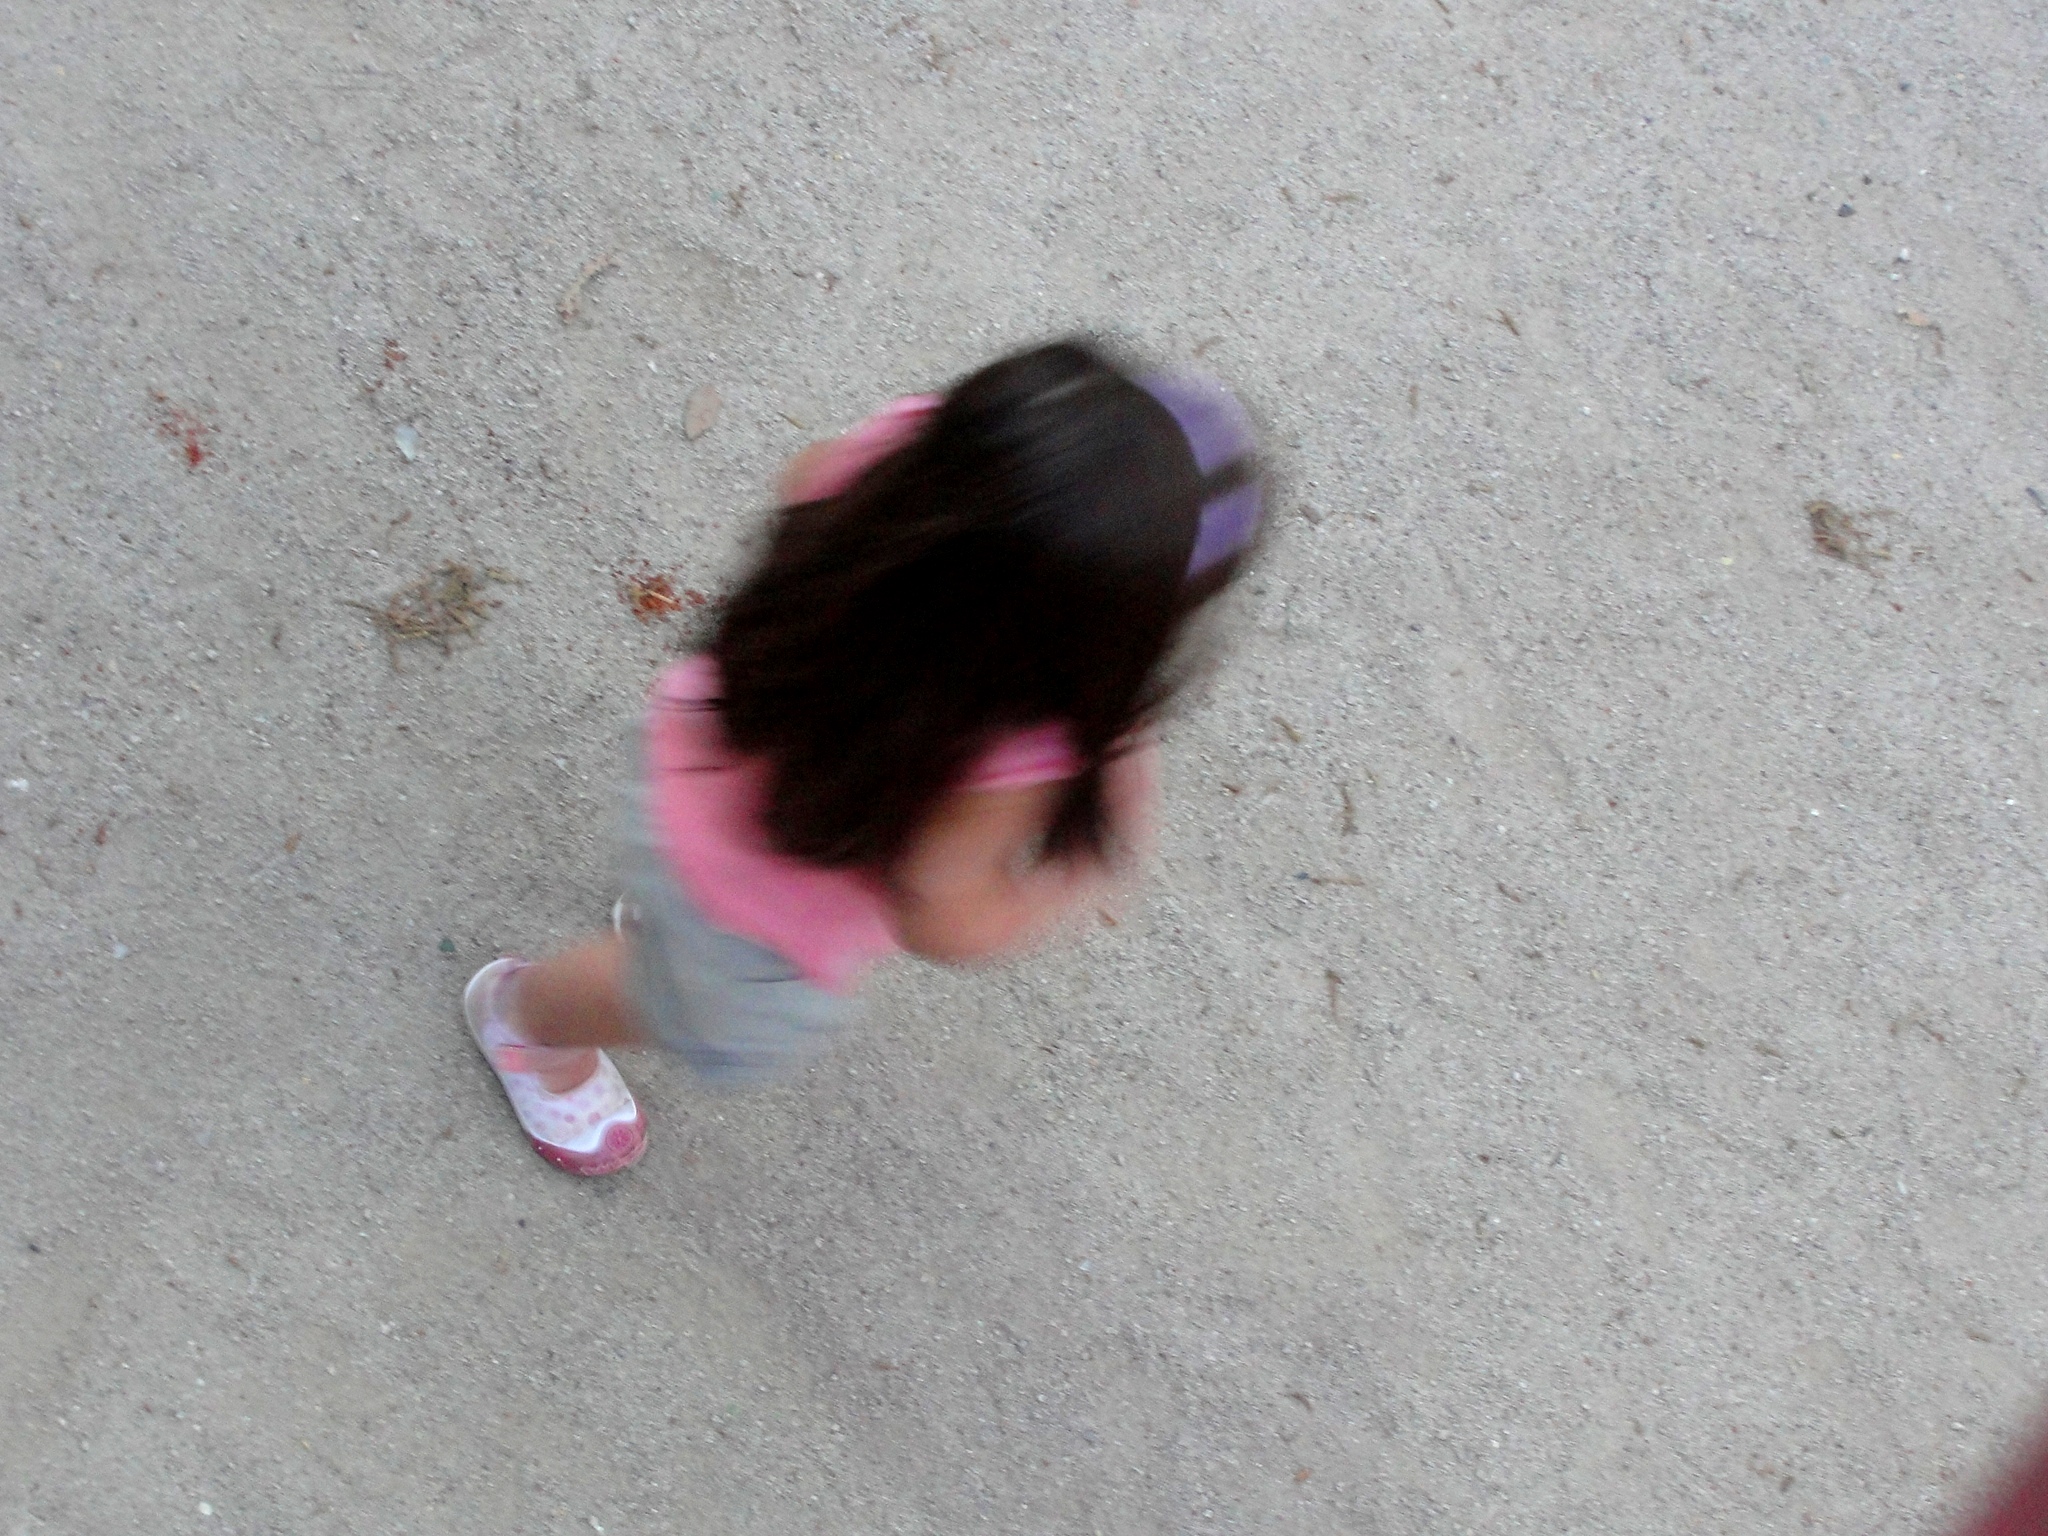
x=408, y=440
x=1845, y=210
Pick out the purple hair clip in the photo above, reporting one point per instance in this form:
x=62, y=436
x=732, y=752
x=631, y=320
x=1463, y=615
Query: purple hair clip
x=1220, y=435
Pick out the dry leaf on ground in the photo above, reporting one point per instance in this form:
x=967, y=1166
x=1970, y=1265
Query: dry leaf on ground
x=437, y=607
x=1919, y=321
x=650, y=594
x=700, y=411
x=1839, y=535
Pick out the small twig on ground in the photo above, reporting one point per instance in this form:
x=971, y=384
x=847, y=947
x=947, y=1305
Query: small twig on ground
x=570, y=305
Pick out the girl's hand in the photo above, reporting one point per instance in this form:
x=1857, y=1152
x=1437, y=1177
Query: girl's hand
x=972, y=886
x=1130, y=789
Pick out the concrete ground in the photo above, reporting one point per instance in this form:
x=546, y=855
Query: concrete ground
x=1577, y=1066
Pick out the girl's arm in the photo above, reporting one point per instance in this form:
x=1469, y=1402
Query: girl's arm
x=972, y=886
x=827, y=468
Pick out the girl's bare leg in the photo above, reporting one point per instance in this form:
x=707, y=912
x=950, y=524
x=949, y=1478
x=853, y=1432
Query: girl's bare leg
x=572, y=1004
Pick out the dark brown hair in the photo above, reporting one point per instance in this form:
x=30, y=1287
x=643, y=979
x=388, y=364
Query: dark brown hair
x=1022, y=561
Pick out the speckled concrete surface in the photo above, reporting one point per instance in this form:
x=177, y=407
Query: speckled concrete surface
x=1577, y=1064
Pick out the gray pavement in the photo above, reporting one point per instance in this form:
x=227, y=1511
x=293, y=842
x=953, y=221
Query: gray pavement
x=1577, y=1065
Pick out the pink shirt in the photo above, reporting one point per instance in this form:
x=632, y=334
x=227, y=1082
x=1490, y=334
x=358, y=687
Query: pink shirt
x=705, y=803
x=705, y=800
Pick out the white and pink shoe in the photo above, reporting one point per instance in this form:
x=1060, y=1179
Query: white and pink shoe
x=594, y=1128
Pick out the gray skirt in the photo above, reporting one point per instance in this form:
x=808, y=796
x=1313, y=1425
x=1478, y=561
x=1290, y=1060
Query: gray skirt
x=738, y=1012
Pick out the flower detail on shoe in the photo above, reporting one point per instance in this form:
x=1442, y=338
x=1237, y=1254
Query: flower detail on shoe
x=595, y=1128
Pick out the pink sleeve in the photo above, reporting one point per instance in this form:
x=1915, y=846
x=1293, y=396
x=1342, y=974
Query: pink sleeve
x=844, y=458
x=1040, y=755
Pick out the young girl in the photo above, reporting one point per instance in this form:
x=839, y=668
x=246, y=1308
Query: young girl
x=921, y=725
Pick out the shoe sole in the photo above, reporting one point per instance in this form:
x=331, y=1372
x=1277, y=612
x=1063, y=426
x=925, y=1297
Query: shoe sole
x=623, y=1145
